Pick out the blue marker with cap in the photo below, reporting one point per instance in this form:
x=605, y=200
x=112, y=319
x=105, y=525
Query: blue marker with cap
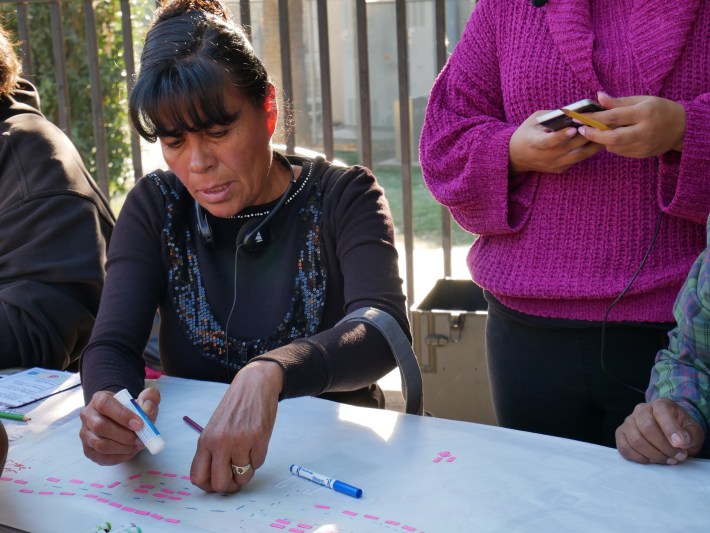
x=329, y=482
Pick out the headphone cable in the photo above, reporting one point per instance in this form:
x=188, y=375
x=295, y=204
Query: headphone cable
x=613, y=304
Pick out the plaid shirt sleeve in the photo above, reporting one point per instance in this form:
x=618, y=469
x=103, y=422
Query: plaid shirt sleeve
x=682, y=372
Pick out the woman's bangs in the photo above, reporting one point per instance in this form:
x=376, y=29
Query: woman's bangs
x=187, y=100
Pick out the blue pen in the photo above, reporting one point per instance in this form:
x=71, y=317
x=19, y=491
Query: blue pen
x=329, y=482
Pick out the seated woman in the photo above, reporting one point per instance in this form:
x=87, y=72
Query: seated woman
x=252, y=258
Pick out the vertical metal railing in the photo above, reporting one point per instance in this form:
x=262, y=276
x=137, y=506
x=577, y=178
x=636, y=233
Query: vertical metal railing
x=60, y=72
x=363, y=70
x=325, y=87
x=287, y=74
x=127, y=31
x=97, y=109
x=405, y=132
x=441, y=56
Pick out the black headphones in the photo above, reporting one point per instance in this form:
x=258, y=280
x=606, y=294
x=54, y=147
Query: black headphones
x=255, y=234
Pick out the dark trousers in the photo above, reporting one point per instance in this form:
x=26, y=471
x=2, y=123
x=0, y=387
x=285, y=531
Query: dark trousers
x=547, y=377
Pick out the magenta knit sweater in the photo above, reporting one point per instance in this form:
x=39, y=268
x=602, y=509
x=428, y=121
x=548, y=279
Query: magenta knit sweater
x=566, y=245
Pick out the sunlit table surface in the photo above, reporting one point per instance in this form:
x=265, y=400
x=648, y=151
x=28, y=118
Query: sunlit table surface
x=418, y=474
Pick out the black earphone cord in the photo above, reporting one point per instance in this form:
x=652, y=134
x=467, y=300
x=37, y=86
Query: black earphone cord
x=613, y=304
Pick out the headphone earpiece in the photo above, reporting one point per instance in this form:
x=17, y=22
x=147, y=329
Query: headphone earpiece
x=203, y=225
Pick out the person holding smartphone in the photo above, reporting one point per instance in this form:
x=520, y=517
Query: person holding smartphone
x=584, y=235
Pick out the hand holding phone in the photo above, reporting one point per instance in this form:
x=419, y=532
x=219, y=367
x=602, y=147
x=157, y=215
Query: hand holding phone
x=572, y=116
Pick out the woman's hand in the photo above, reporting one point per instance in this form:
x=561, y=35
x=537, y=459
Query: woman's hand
x=239, y=431
x=535, y=149
x=659, y=432
x=108, y=428
x=641, y=126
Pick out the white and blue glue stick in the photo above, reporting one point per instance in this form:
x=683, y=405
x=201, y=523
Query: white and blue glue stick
x=149, y=434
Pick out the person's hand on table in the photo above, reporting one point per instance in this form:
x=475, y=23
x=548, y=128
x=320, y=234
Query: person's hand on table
x=238, y=433
x=641, y=126
x=659, y=432
x=533, y=148
x=108, y=428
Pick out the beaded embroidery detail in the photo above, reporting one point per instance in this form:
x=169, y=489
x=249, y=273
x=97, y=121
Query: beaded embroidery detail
x=188, y=293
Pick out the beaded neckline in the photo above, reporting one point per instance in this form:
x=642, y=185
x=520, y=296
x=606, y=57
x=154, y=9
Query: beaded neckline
x=290, y=198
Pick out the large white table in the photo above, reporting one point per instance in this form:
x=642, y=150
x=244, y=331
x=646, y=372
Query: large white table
x=418, y=474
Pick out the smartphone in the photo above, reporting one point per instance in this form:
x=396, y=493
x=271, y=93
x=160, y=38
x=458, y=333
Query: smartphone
x=558, y=119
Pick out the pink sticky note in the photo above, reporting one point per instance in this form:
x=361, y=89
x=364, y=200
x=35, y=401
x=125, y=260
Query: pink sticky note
x=169, y=475
x=175, y=498
x=21, y=481
x=53, y=479
x=305, y=526
x=115, y=504
x=371, y=517
x=392, y=522
x=319, y=506
x=283, y=521
x=127, y=509
x=26, y=491
x=172, y=520
x=46, y=492
x=156, y=516
x=142, y=513
x=144, y=486
x=90, y=496
x=114, y=484
x=76, y=481
x=350, y=513
x=296, y=530
x=141, y=491
x=184, y=493
x=168, y=491
x=66, y=494
x=444, y=454
x=102, y=500
x=278, y=526
x=153, y=472
x=409, y=528
x=450, y=459
x=437, y=459
x=97, y=485
x=134, y=476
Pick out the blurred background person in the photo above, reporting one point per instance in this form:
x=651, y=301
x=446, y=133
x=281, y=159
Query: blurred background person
x=55, y=226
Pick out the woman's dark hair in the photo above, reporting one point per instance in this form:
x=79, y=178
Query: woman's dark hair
x=191, y=51
x=10, y=66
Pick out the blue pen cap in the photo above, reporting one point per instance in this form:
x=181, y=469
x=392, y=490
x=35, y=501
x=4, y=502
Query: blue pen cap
x=347, y=489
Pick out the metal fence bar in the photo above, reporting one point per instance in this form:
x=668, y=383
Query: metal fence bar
x=325, y=87
x=245, y=16
x=286, y=73
x=23, y=33
x=440, y=38
x=405, y=141
x=97, y=109
x=363, y=70
x=130, y=65
x=60, y=70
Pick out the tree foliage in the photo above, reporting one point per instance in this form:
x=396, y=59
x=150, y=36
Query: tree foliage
x=112, y=75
